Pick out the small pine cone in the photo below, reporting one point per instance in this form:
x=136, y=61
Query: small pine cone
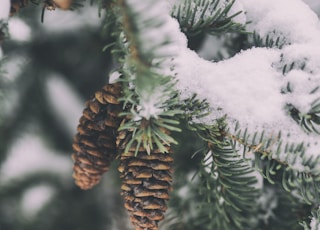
x=146, y=182
x=62, y=4
x=95, y=143
x=16, y=5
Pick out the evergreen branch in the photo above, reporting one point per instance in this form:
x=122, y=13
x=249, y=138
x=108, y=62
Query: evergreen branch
x=286, y=68
x=273, y=202
x=256, y=40
x=227, y=184
x=277, y=163
x=204, y=16
x=315, y=220
x=147, y=133
x=148, y=92
x=194, y=109
x=310, y=121
x=104, y=4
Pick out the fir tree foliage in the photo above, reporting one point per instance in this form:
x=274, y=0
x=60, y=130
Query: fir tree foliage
x=315, y=220
x=273, y=157
x=255, y=40
x=201, y=16
x=309, y=120
x=228, y=187
x=149, y=93
x=236, y=168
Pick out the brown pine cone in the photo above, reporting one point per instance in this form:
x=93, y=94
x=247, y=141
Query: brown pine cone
x=62, y=4
x=95, y=143
x=146, y=182
x=16, y=5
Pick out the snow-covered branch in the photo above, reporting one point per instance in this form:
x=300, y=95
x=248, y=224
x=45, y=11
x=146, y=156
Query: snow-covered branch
x=251, y=88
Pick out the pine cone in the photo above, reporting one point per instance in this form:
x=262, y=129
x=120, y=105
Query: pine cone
x=146, y=184
x=62, y=4
x=16, y=5
x=95, y=143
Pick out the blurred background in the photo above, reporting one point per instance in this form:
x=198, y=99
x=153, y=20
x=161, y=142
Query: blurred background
x=49, y=70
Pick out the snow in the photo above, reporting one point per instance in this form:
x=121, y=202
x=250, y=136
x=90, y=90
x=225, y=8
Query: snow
x=35, y=198
x=291, y=19
x=65, y=102
x=19, y=30
x=248, y=87
x=238, y=7
x=267, y=202
x=315, y=223
x=153, y=21
x=308, y=53
x=151, y=106
x=13, y=66
x=235, y=84
x=4, y=9
x=4, y=13
x=314, y=5
x=29, y=154
x=302, y=84
x=58, y=21
x=152, y=42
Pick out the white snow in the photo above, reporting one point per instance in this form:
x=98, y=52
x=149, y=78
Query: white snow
x=19, y=30
x=13, y=67
x=163, y=43
x=58, y=21
x=4, y=9
x=4, y=13
x=267, y=201
x=314, y=5
x=167, y=29
x=29, y=154
x=315, y=223
x=308, y=53
x=242, y=86
x=151, y=105
x=247, y=87
x=65, y=102
x=302, y=84
x=291, y=19
x=238, y=7
x=35, y=198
